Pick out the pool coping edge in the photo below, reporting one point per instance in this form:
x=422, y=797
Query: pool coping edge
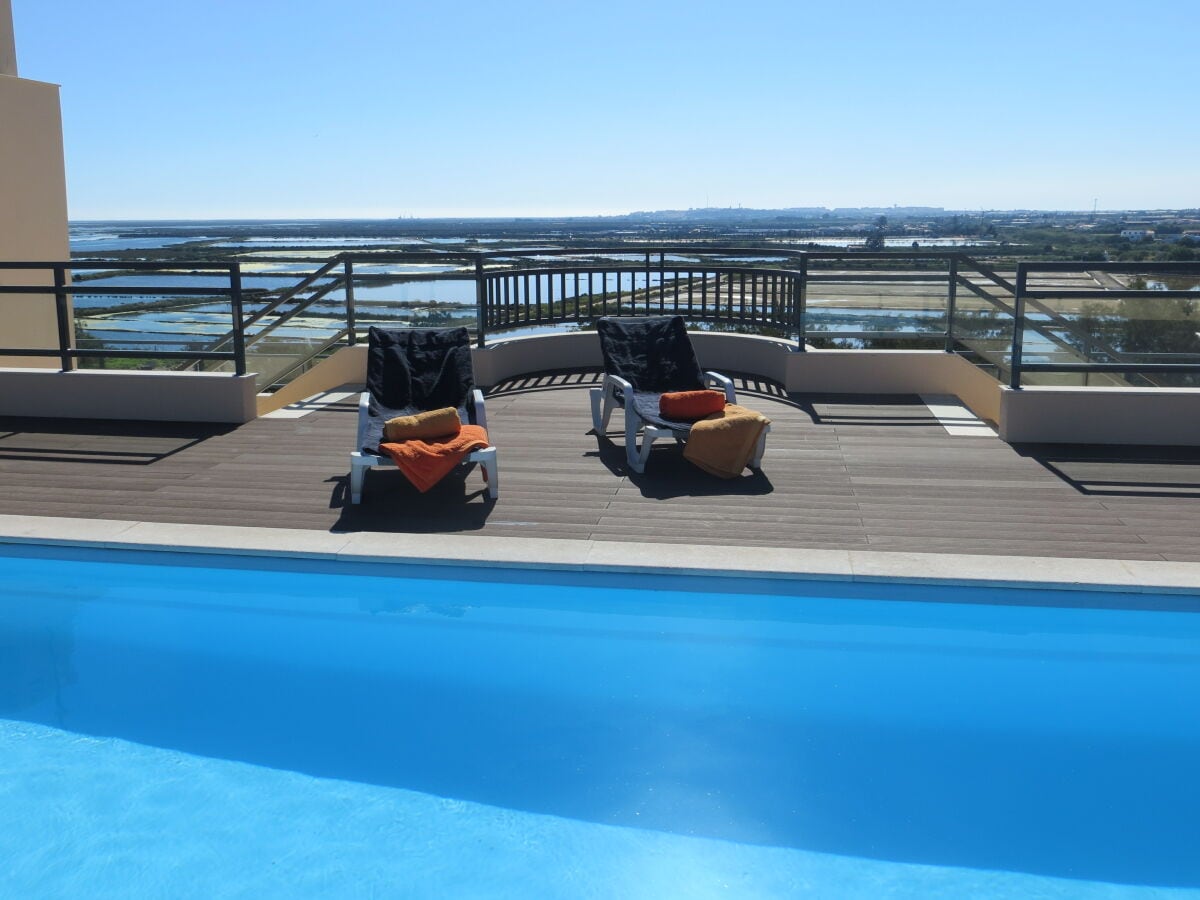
x=1061, y=573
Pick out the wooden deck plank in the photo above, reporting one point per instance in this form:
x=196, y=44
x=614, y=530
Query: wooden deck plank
x=840, y=472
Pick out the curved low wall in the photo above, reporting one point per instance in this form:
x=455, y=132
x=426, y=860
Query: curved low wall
x=813, y=371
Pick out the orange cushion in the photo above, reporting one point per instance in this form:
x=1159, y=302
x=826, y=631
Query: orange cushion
x=691, y=404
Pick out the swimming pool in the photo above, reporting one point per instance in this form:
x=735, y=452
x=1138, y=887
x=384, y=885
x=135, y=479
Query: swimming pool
x=191, y=725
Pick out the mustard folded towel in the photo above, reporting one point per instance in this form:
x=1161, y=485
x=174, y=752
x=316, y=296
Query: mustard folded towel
x=723, y=444
x=437, y=423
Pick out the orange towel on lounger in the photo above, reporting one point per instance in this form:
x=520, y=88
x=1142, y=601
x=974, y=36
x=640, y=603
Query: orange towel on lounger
x=686, y=406
x=425, y=463
x=723, y=444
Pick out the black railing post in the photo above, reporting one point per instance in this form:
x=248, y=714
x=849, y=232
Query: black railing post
x=1018, y=326
x=662, y=283
x=63, y=312
x=235, y=307
x=951, y=300
x=632, y=295
x=351, y=316
x=799, y=299
x=480, y=301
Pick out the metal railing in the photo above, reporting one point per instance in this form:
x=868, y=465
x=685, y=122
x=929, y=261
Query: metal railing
x=630, y=282
x=1098, y=355
x=1018, y=325
x=61, y=289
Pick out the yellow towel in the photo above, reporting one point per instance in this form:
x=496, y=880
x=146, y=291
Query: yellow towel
x=723, y=444
x=437, y=423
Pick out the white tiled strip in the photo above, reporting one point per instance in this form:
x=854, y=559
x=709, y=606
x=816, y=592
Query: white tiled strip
x=302, y=408
x=956, y=418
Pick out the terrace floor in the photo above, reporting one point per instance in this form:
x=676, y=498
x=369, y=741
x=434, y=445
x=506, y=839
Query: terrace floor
x=878, y=473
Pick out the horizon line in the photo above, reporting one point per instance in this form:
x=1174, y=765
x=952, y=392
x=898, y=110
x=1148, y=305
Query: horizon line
x=492, y=217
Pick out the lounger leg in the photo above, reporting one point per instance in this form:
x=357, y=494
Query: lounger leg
x=603, y=403
x=597, y=397
x=760, y=449
x=633, y=424
x=649, y=435
x=358, y=474
x=487, y=459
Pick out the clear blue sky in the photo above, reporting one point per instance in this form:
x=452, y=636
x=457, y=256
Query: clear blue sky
x=381, y=108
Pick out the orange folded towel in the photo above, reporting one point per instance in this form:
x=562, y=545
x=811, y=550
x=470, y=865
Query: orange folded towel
x=436, y=423
x=723, y=444
x=690, y=405
x=425, y=463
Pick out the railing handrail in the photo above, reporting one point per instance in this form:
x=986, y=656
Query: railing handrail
x=769, y=290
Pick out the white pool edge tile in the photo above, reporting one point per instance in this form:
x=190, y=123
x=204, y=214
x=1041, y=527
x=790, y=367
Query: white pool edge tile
x=1126, y=576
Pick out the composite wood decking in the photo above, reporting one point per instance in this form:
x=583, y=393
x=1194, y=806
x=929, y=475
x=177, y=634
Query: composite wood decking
x=876, y=473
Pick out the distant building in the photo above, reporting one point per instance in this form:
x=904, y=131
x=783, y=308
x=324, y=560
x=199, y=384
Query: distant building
x=1137, y=234
x=1191, y=236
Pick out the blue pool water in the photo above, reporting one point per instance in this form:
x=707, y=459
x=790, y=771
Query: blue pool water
x=175, y=725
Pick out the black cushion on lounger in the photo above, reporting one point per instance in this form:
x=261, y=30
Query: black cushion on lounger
x=654, y=354
x=413, y=370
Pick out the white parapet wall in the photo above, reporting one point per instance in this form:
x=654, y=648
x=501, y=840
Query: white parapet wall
x=1101, y=415
x=140, y=396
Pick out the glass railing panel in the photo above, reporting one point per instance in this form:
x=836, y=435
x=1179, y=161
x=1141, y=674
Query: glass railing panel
x=876, y=303
x=280, y=355
x=1142, y=321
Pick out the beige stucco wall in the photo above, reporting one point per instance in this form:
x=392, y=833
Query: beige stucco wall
x=8, y=43
x=142, y=396
x=1095, y=415
x=33, y=211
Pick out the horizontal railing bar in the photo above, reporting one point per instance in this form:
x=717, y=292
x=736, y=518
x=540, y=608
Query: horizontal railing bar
x=117, y=291
x=1112, y=294
x=810, y=332
x=989, y=273
x=1128, y=268
x=80, y=353
x=99, y=263
x=26, y=351
x=1110, y=367
x=153, y=354
x=680, y=249
x=882, y=254
x=683, y=270
x=932, y=277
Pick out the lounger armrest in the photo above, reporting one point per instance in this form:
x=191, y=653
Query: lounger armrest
x=616, y=381
x=478, y=410
x=364, y=406
x=717, y=380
